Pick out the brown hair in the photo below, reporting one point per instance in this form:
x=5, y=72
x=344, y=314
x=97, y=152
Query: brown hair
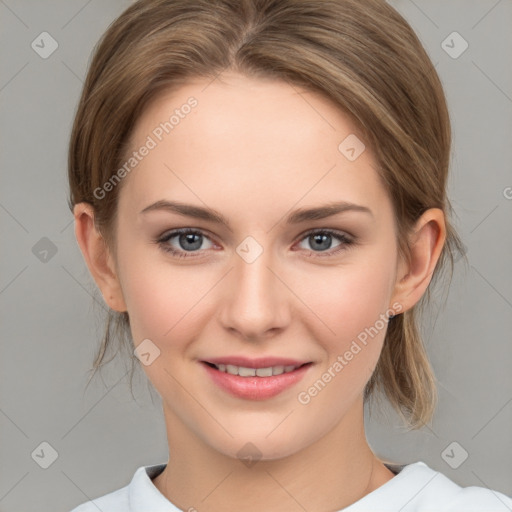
x=362, y=55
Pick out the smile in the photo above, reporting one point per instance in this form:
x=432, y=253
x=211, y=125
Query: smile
x=244, y=371
x=255, y=383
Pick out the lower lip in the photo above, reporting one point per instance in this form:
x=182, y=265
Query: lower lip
x=256, y=388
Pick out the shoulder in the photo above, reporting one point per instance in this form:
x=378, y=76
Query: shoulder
x=418, y=488
x=115, y=501
x=480, y=499
x=140, y=492
x=433, y=491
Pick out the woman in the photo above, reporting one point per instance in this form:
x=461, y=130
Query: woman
x=259, y=192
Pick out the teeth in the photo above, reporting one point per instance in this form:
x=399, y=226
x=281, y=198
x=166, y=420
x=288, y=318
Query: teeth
x=242, y=371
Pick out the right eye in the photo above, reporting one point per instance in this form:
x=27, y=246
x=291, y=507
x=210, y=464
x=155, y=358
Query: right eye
x=187, y=238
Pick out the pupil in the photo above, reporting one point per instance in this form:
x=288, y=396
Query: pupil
x=322, y=237
x=189, y=238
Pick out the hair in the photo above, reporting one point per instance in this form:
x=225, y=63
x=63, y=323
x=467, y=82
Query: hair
x=362, y=55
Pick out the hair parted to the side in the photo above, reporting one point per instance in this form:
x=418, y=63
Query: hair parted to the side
x=361, y=54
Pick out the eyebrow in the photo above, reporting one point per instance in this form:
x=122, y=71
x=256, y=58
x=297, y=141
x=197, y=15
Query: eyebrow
x=296, y=217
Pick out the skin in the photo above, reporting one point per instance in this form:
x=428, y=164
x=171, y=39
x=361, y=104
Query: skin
x=254, y=150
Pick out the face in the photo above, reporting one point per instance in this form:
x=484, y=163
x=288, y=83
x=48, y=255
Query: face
x=317, y=290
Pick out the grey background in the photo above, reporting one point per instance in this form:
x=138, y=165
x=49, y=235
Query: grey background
x=50, y=329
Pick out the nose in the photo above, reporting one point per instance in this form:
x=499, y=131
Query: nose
x=256, y=299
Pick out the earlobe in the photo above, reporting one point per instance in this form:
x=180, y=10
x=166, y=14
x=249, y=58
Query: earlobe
x=97, y=257
x=426, y=243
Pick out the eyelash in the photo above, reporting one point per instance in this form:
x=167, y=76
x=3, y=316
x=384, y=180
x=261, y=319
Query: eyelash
x=346, y=242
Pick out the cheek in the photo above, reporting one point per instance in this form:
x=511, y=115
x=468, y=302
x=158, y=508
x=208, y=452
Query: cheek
x=164, y=304
x=161, y=303
x=165, y=301
x=350, y=306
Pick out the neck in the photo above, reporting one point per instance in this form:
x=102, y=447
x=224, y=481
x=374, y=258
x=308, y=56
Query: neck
x=329, y=474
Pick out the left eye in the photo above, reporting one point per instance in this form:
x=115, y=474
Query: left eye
x=190, y=240
x=322, y=240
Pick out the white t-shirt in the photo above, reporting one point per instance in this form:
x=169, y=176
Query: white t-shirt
x=415, y=488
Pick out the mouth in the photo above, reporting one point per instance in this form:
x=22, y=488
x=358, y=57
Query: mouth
x=255, y=383
x=245, y=371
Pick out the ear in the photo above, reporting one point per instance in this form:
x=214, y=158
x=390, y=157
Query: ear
x=97, y=257
x=426, y=243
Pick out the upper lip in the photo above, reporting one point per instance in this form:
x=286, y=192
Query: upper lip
x=259, y=362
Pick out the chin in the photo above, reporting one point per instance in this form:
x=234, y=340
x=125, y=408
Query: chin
x=253, y=448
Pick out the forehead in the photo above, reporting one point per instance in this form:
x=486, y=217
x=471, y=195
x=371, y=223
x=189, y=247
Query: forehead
x=246, y=107
x=248, y=139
